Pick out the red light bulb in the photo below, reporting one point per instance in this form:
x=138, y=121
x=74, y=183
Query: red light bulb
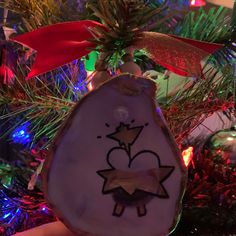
x=197, y=3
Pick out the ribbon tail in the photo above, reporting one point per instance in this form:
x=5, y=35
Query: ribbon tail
x=179, y=55
x=206, y=46
x=58, y=44
x=45, y=62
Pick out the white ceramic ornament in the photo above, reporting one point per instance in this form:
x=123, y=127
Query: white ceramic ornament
x=115, y=169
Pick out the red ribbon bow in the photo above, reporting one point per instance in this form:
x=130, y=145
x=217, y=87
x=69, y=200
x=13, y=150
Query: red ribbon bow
x=62, y=43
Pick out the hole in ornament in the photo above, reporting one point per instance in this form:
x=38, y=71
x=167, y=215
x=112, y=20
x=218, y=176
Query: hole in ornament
x=146, y=124
x=99, y=137
x=107, y=125
x=132, y=121
x=121, y=113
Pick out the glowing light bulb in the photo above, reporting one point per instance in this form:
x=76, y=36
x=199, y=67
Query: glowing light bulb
x=230, y=139
x=187, y=155
x=197, y=3
x=6, y=215
x=21, y=135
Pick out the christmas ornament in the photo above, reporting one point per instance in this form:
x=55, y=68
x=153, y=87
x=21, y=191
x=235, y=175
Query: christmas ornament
x=120, y=174
x=222, y=146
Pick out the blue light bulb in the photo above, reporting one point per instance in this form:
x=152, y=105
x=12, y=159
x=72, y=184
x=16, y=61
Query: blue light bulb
x=21, y=135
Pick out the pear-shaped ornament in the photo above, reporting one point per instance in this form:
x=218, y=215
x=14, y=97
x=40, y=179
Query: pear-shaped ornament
x=115, y=168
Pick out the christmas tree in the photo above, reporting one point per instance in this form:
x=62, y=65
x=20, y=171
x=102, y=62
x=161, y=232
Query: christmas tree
x=39, y=89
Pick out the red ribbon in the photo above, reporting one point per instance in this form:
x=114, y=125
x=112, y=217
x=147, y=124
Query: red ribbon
x=62, y=43
x=58, y=44
x=179, y=55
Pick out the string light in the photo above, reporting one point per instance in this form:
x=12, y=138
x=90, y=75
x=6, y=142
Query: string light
x=21, y=135
x=187, y=155
x=197, y=3
x=8, y=209
x=19, y=212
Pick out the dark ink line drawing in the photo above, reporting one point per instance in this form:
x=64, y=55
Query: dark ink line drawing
x=133, y=188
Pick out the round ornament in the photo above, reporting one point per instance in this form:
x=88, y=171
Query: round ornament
x=222, y=146
x=115, y=168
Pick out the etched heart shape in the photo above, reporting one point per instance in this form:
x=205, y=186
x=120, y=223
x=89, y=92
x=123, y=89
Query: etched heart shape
x=118, y=158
